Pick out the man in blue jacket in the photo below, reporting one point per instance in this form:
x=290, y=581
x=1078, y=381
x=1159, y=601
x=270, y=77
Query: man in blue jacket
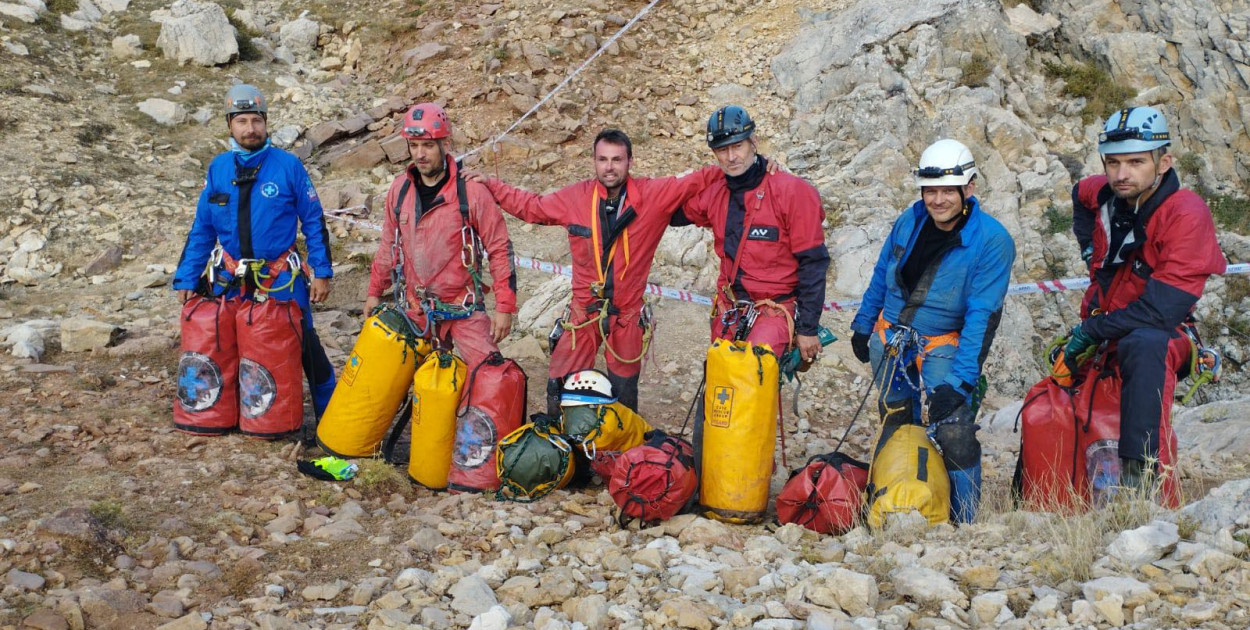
x=931, y=310
x=255, y=198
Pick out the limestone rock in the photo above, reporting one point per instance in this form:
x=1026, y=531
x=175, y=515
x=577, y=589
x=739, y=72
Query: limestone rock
x=300, y=36
x=26, y=342
x=1144, y=544
x=472, y=596
x=927, y=586
x=45, y=619
x=199, y=33
x=192, y=621
x=23, y=11
x=363, y=156
x=1222, y=507
x=1133, y=591
x=80, y=334
x=164, y=112
x=1025, y=21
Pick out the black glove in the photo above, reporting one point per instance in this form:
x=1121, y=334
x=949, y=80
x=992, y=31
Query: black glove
x=859, y=345
x=944, y=401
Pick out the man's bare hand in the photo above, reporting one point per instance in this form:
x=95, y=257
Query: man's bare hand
x=371, y=303
x=773, y=167
x=475, y=176
x=809, y=347
x=185, y=294
x=320, y=290
x=500, y=326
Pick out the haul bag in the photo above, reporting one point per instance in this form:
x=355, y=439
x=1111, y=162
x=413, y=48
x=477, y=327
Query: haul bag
x=611, y=427
x=740, y=420
x=826, y=495
x=655, y=480
x=271, y=374
x=436, y=388
x=907, y=474
x=1069, y=444
x=374, y=382
x=493, y=406
x=534, y=460
x=208, y=369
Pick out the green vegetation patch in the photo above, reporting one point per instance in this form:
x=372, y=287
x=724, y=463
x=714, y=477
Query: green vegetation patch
x=1101, y=93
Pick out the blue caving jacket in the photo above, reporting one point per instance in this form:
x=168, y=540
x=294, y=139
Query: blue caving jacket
x=966, y=295
x=282, y=199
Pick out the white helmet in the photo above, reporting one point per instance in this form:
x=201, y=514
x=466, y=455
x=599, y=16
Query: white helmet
x=586, y=387
x=945, y=163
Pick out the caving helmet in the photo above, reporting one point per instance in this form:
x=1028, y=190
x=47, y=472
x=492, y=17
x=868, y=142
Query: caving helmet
x=586, y=387
x=945, y=163
x=426, y=121
x=245, y=99
x=728, y=125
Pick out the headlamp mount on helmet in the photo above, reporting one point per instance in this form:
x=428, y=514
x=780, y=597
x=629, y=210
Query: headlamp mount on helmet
x=1132, y=133
x=935, y=172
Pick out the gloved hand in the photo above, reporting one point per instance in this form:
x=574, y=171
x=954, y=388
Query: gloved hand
x=1078, y=342
x=1087, y=255
x=859, y=345
x=944, y=401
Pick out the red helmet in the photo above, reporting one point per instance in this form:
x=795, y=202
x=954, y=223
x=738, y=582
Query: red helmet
x=426, y=121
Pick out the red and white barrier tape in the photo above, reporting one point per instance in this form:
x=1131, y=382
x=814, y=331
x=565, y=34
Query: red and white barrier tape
x=682, y=295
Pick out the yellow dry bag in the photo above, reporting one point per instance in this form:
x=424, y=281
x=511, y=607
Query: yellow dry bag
x=372, y=385
x=739, y=422
x=435, y=397
x=907, y=475
x=613, y=427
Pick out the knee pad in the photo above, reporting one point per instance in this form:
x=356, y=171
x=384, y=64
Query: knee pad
x=960, y=448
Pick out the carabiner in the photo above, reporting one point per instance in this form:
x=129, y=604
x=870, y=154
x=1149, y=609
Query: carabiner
x=468, y=248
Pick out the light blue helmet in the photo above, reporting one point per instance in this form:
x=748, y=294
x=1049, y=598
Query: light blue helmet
x=1134, y=130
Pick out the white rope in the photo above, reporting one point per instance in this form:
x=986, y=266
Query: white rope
x=565, y=82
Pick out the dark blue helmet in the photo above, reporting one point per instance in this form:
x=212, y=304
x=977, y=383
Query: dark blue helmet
x=728, y=125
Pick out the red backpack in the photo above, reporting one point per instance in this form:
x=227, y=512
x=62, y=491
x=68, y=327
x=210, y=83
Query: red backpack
x=826, y=495
x=655, y=480
x=1070, y=434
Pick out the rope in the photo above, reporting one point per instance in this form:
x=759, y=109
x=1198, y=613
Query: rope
x=565, y=82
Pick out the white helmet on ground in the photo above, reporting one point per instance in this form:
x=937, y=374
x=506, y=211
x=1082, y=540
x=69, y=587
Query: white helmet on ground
x=586, y=387
x=945, y=163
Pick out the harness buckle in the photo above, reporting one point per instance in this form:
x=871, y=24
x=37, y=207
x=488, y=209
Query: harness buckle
x=596, y=289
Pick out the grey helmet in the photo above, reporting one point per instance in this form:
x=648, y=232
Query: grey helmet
x=243, y=99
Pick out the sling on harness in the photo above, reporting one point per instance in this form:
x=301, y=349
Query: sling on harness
x=472, y=252
x=600, y=312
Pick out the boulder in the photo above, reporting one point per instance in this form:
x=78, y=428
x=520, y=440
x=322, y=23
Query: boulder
x=127, y=47
x=22, y=12
x=300, y=36
x=199, y=33
x=26, y=342
x=1132, y=591
x=396, y=148
x=365, y=155
x=472, y=596
x=80, y=334
x=164, y=112
x=1224, y=506
x=1144, y=544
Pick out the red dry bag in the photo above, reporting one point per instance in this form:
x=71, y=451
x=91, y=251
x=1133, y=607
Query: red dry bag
x=271, y=386
x=208, y=370
x=653, y=481
x=1069, y=444
x=493, y=406
x=604, y=464
x=826, y=495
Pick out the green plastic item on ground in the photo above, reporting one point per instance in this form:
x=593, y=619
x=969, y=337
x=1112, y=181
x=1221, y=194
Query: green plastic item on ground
x=328, y=468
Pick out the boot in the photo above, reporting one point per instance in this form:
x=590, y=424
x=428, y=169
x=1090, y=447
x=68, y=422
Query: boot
x=1132, y=474
x=554, y=385
x=965, y=494
x=625, y=388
